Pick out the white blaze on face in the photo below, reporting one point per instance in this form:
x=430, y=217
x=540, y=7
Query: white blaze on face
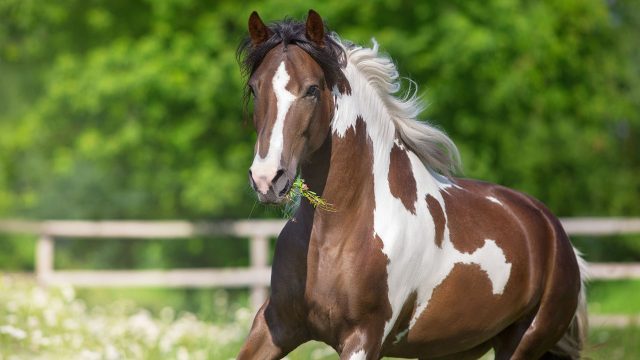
x=266, y=168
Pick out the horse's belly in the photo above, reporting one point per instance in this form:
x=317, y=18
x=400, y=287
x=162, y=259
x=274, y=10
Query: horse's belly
x=462, y=314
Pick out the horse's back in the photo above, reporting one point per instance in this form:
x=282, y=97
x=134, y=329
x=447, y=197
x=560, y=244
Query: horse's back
x=518, y=222
x=544, y=238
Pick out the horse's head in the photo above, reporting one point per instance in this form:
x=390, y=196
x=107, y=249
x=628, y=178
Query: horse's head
x=292, y=69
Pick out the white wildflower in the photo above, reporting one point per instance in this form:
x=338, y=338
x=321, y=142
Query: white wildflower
x=68, y=293
x=56, y=340
x=54, y=324
x=111, y=353
x=78, y=307
x=166, y=342
x=76, y=340
x=11, y=319
x=12, y=306
x=13, y=331
x=96, y=326
x=33, y=321
x=38, y=340
x=39, y=297
x=70, y=324
x=243, y=314
x=200, y=355
x=142, y=323
x=50, y=317
x=89, y=355
x=136, y=350
x=182, y=353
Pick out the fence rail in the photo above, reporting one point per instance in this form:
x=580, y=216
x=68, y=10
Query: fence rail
x=256, y=276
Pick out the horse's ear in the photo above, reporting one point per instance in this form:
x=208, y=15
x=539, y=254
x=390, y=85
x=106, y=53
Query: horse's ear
x=315, y=28
x=258, y=31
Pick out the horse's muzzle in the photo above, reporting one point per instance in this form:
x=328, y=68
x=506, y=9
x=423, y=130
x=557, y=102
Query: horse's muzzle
x=271, y=189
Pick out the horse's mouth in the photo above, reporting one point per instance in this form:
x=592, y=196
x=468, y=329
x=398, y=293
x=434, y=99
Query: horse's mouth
x=273, y=198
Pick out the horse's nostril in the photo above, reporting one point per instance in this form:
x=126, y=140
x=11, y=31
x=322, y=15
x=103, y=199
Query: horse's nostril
x=279, y=173
x=285, y=190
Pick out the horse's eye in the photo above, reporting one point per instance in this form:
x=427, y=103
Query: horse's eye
x=253, y=92
x=313, y=91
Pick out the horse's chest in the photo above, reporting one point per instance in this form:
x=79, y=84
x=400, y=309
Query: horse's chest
x=345, y=287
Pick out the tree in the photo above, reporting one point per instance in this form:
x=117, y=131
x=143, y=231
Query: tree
x=132, y=109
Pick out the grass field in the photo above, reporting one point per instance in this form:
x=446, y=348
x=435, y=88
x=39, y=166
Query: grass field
x=200, y=324
x=614, y=297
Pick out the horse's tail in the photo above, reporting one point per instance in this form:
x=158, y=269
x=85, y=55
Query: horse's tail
x=574, y=339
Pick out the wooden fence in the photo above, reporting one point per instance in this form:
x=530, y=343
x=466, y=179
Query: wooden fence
x=256, y=276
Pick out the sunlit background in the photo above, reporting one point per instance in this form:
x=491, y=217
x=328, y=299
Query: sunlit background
x=131, y=110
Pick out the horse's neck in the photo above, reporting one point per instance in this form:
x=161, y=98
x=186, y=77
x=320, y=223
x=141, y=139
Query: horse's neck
x=359, y=155
x=315, y=170
x=353, y=166
x=340, y=171
x=363, y=135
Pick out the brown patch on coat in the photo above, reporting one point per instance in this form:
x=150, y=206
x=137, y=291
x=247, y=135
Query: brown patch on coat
x=467, y=230
x=515, y=226
x=401, y=181
x=438, y=218
x=472, y=218
x=263, y=146
x=457, y=314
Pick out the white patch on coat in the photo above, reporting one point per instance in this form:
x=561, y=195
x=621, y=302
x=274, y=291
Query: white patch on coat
x=268, y=166
x=494, y=200
x=345, y=116
x=358, y=355
x=415, y=264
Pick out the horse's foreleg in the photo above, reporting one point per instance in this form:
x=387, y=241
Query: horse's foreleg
x=269, y=337
x=259, y=343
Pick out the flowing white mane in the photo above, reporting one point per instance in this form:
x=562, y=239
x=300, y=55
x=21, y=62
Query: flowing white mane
x=436, y=150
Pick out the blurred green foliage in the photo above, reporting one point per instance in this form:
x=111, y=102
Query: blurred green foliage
x=132, y=109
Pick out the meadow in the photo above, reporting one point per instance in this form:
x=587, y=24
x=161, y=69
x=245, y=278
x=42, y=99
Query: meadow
x=65, y=323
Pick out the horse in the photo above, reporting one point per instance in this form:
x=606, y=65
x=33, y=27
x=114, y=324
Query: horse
x=413, y=262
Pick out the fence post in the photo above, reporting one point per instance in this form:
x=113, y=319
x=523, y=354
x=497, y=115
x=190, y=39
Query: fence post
x=259, y=253
x=44, y=259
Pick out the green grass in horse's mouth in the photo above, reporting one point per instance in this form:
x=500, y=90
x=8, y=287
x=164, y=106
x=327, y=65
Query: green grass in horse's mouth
x=299, y=190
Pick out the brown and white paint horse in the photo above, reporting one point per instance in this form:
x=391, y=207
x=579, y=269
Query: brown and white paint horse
x=414, y=263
